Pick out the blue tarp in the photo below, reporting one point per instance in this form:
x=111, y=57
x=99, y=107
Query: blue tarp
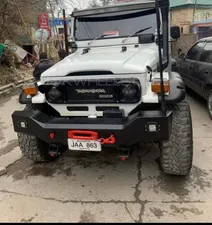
x=58, y=22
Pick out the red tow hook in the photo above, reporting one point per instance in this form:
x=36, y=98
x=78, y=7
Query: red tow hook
x=111, y=140
x=90, y=136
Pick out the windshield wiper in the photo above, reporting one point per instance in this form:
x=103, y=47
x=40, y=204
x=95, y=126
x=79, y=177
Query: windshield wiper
x=137, y=32
x=101, y=36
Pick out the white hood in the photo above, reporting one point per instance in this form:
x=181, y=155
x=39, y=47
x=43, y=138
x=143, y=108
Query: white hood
x=133, y=60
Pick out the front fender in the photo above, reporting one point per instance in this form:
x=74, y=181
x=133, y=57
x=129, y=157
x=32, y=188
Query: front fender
x=24, y=99
x=37, y=99
x=177, y=89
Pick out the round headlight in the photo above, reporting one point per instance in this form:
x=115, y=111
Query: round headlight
x=54, y=95
x=130, y=91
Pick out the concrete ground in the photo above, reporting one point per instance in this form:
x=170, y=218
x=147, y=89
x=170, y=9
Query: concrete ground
x=8, y=138
x=99, y=188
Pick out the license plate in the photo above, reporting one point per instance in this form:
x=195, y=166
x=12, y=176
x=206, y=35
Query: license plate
x=81, y=145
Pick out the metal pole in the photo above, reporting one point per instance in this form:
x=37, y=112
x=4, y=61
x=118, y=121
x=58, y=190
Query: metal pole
x=66, y=32
x=195, y=8
x=163, y=103
x=170, y=47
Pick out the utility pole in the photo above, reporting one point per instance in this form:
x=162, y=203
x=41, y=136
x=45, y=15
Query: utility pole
x=195, y=8
x=65, y=32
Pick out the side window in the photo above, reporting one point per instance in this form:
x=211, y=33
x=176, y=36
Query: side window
x=194, y=52
x=210, y=58
x=206, y=52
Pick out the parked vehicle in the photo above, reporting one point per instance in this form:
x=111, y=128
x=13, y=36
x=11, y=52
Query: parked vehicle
x=174, y=64
x=113, y=91
x=195, y=67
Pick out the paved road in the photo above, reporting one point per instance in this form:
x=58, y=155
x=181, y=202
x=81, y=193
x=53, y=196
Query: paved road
x=98, y=188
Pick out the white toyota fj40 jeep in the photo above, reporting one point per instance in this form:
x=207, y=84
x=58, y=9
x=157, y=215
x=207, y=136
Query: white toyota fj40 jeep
x=115, y=89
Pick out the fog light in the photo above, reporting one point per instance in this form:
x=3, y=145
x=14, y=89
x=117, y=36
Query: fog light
x=22, y=124
x=152, y=128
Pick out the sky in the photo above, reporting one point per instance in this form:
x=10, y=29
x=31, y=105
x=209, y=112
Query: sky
x=77, y=3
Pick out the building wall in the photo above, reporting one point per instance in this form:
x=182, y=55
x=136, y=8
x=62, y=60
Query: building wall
x=203, y=14
x=184, y=17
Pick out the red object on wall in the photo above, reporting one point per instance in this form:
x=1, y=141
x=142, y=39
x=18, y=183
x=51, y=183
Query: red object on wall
x=44, y=22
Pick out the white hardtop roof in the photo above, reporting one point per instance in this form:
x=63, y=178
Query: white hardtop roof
x=118, y=7
x=206, y=39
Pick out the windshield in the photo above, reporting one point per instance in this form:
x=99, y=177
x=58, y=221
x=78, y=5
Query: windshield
x=114, y=25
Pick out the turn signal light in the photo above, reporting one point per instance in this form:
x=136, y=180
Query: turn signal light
x=156, y=86
x=30, y=89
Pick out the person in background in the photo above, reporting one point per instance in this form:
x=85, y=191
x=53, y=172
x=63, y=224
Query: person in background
x=42, y=66
x=179, y=51
x=61, y=54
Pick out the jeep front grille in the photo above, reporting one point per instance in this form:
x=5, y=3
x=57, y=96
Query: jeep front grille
x=93, y=91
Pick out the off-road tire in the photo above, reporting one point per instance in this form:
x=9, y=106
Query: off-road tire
x=209, y=104
x=32, y=147
x=177, y=153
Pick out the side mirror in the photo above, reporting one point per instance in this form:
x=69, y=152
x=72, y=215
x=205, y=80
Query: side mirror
x=175, y=32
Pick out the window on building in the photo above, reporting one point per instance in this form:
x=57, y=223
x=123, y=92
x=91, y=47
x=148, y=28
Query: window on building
x=193, y=53
x=206, y=52
x=181, y=30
